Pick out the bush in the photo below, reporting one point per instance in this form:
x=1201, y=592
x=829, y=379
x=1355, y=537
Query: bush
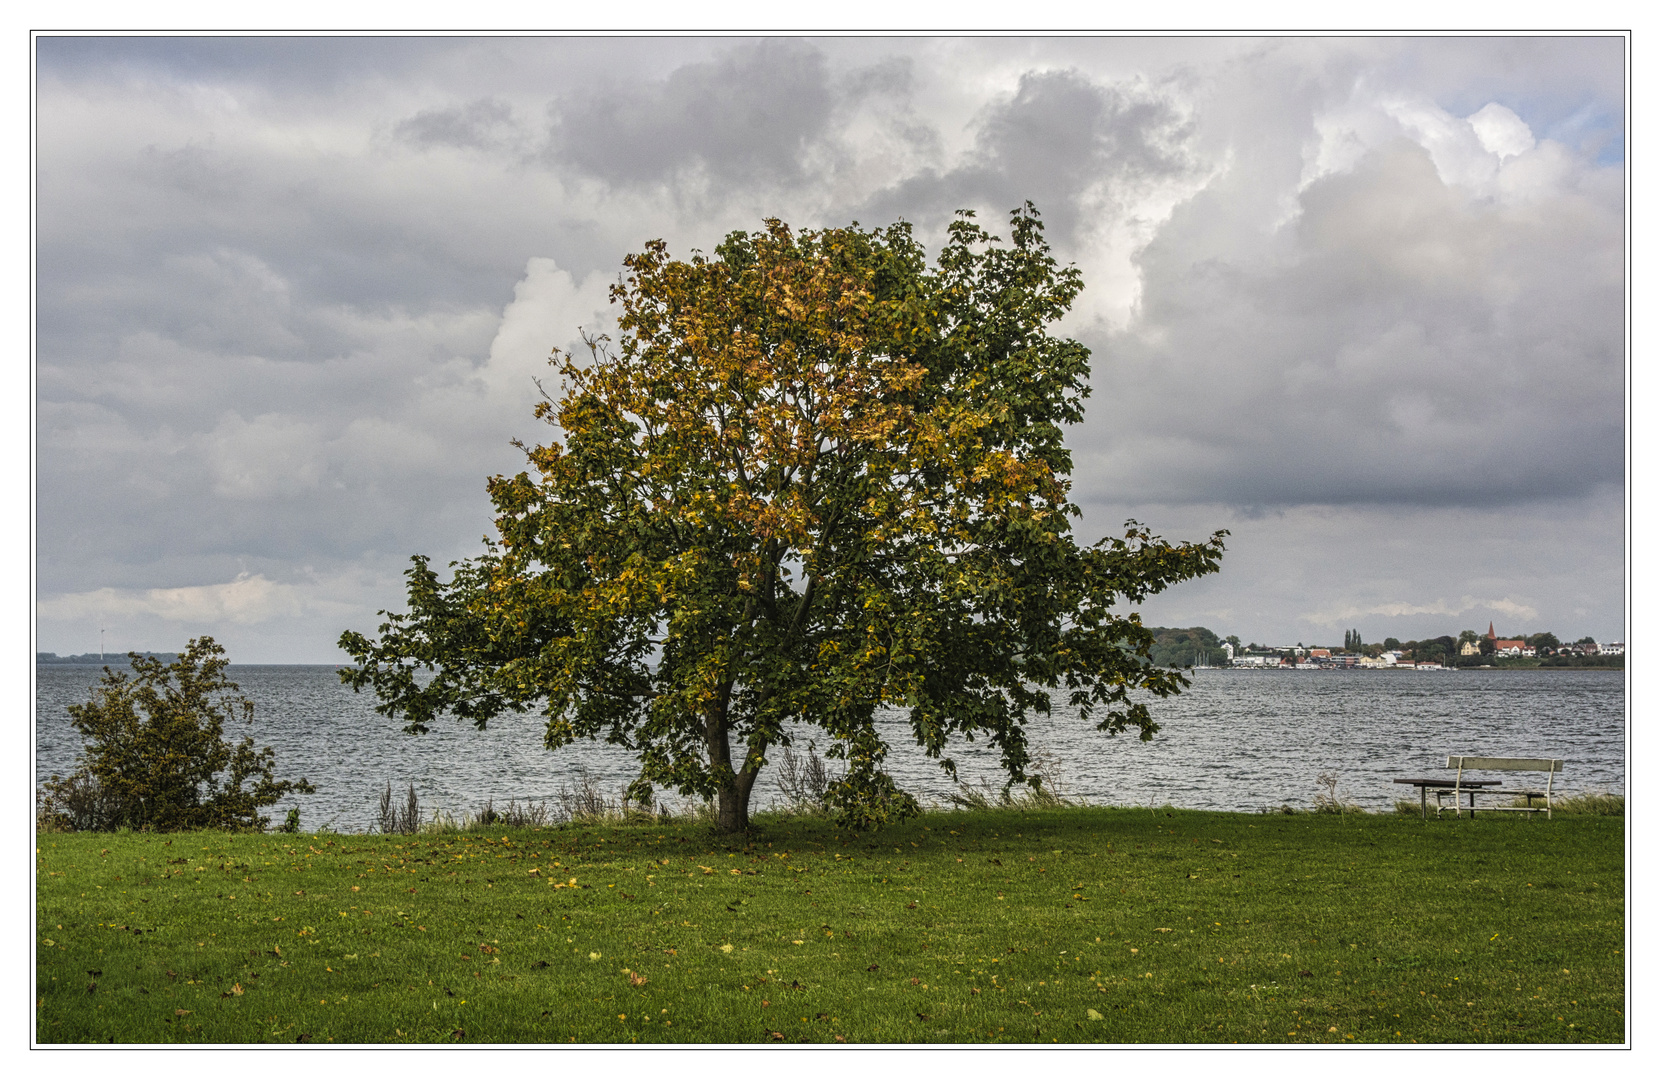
x=156, y=757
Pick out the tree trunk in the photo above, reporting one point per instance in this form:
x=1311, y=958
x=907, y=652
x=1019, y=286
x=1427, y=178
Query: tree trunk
x=732, y=797
x=732, y=808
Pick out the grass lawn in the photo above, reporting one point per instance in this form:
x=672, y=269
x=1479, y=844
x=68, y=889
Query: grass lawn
x=1071, y=925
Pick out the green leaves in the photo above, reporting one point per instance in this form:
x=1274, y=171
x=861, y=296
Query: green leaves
x=812, y=479
x=156, y=756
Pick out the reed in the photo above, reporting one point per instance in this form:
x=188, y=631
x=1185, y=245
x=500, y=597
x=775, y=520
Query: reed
x=403, y=819
x=804, y=782
x=1599, y=803
x=1329, y=800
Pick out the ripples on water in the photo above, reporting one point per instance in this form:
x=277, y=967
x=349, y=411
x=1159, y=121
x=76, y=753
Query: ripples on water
x=1236, y=740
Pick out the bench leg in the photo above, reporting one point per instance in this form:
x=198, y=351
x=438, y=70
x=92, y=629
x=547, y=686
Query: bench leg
x=1424, y=814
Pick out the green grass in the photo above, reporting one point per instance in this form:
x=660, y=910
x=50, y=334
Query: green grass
x=1069, y=925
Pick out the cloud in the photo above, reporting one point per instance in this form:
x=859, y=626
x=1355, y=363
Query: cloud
x=549, y=310
x=293, y=294
x=1072, y=145
x=245, y=599
x=1416, y=329
x=1390, y=571
x=1398, y=608
x=478, y=125
x=274, y=456
x=750, y=116
x=1501, y=131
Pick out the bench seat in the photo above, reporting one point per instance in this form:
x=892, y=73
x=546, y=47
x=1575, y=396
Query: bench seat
x=1461, y=764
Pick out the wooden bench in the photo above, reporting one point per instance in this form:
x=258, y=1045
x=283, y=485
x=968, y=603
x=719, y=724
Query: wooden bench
x=1550, y=766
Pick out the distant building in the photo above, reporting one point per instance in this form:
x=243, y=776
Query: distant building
x=1612, y=648
x=1470, y=648
x=1512, y=647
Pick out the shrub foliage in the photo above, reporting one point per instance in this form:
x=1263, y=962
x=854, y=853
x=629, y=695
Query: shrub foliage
x=156, y=755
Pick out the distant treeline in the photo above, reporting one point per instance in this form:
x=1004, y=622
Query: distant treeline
x=94, y=658
x=1193, y=646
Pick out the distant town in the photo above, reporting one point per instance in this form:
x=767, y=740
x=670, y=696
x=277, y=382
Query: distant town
x=1199, y=647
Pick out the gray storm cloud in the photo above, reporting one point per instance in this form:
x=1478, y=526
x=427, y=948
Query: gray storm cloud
x=293, y=295
x=1407, y=342
x=750, y=116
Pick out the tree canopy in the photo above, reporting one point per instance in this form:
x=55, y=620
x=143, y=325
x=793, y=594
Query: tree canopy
x=815, y=477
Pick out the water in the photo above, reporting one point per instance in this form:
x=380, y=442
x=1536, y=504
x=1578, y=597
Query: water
x=1236, y=740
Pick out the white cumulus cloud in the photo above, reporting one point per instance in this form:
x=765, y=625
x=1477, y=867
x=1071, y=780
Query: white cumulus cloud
x=248, y=598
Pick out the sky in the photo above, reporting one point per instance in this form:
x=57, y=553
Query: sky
x=1361, y=302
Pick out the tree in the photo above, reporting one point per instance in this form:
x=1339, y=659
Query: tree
x=1180, y=647
x=1544, y=642
x=814, y=478
x=1437, y=649
x=157, y=757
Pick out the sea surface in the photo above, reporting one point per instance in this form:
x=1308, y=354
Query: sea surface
x=1236, y=740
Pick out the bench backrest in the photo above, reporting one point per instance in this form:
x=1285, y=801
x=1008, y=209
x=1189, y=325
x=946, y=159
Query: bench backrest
x=1507, y=764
